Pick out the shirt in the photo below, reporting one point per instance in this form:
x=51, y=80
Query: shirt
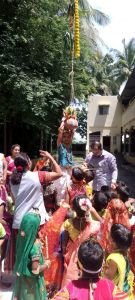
x=65, y=156
x=105, y=169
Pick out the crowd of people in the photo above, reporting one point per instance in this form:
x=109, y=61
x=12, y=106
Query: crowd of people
x=66, y=231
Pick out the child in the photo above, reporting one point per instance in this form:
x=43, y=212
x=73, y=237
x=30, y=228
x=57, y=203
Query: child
x=50, y=195
x=100, y=202
x=117, y=266
x=6, y=221
x=29, y=265
x=88, y=178
x=77, y=186
x=75, y=231
x=89, y=285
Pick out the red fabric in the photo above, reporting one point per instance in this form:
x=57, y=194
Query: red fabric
x=116, y=212
x=44, y=176
x=51, y=229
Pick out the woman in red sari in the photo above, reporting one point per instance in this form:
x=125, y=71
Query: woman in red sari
x=90, y=286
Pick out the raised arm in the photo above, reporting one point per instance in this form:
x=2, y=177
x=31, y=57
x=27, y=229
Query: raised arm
x=60, y=134
x=57, y=172
x=4, y=169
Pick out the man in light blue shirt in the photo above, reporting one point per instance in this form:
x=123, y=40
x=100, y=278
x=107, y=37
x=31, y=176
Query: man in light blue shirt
x=104, y=166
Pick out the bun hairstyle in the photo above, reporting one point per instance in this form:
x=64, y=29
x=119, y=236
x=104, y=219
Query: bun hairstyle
x=21, y=163
x=122, y=236
x=123, y=191
x=82, y=205
x=78, y=173
x=100, y=201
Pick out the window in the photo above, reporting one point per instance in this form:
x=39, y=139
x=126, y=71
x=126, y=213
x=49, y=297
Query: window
x=103, y=109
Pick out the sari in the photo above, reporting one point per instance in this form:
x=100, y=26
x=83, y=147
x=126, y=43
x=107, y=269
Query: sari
x=81, y=289
x=116, y=212
x=71, y=271
x=124, y=277
x=40, y=164
x=50, y=238
x=28, y=285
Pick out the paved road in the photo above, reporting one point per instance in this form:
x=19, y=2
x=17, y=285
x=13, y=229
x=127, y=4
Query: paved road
x=127, y=174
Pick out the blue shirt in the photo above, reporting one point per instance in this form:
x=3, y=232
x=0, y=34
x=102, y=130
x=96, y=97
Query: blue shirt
x=105, y=169
x=65, y=156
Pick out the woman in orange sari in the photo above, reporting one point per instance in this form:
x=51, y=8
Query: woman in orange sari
x=75, y=231
x=116, y=212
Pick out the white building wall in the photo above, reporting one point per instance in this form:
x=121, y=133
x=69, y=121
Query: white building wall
x=108, y=125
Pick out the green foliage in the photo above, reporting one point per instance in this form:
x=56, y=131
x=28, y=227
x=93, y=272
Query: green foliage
x=35, y=62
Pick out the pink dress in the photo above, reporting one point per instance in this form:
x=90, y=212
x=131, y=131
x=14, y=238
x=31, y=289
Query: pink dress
x=80, y=289
x=70, y=258
x=10, y=167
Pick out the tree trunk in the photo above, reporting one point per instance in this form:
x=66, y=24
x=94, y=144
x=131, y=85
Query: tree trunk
x=41, y=139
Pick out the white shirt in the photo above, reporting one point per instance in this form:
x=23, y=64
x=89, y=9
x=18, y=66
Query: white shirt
x=28, y=194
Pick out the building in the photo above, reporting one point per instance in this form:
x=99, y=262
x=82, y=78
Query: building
x=111, y=120
x=127, y=100
x=104, y=122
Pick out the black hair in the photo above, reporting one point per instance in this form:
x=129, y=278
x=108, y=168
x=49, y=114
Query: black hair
x=76, y=207
x=14, y=146
x=88, y=175
x=122, y=236
x=21, y=161
x=100, y=201
x=123, y=191
x=78, y=173
x=110, y=194
x=90, y=255
x=97, y=144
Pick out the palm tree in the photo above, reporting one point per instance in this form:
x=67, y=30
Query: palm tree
x=91, y=17
x=125, y=61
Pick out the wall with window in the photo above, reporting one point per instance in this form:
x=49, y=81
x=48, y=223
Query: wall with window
x=105, y=116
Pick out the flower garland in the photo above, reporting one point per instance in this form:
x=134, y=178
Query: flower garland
x=77, y=31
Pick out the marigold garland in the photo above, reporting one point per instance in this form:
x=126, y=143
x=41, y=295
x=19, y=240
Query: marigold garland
x=77, y=31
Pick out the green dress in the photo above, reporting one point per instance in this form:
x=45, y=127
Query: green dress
x=31, y=287
x=28, y=286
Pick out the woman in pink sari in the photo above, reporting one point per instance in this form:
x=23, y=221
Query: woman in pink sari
x=15, y=150
x=75, y=231
x=90, y=286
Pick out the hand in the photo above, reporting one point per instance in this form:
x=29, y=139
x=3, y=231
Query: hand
x=47, y=263
x=45, y=154
x=113, y=186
